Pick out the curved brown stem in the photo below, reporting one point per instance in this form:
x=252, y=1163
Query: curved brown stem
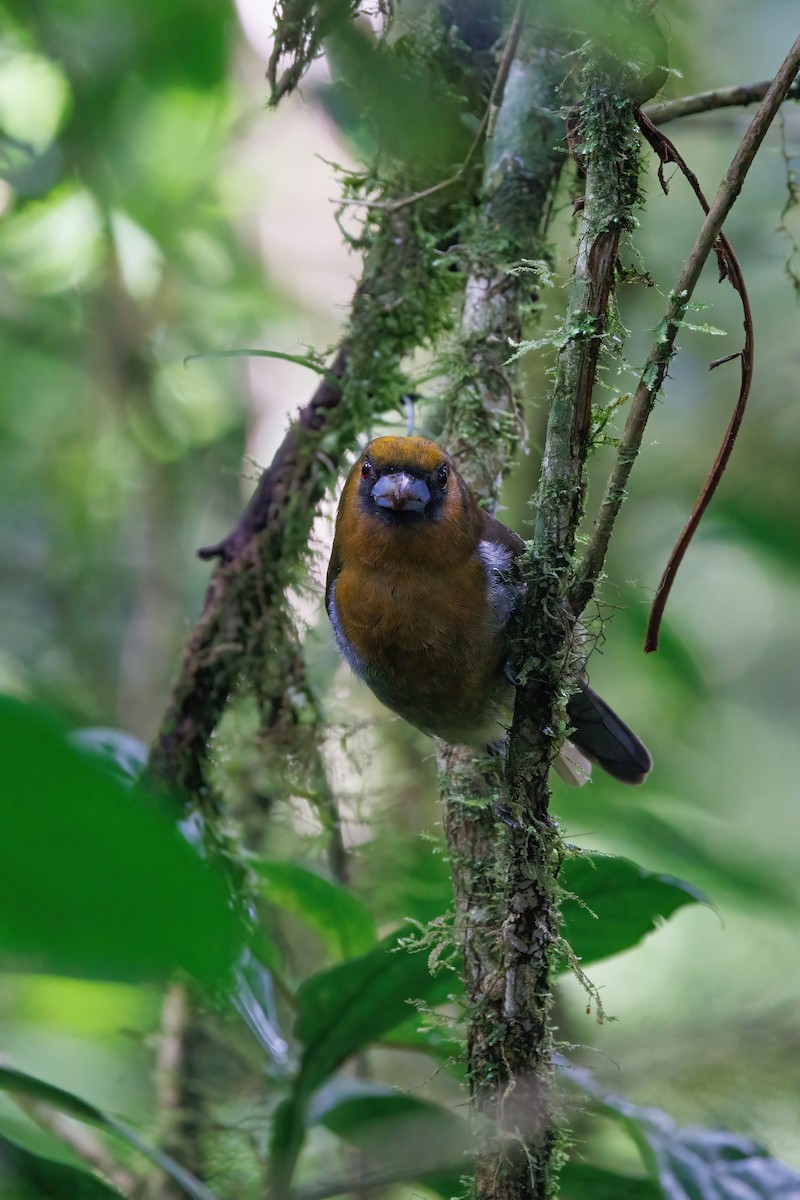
x=730, y=268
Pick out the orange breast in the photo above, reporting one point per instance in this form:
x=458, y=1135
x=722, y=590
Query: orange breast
x=426, y=642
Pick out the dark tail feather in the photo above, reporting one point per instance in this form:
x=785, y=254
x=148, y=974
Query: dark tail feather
x=605, y=739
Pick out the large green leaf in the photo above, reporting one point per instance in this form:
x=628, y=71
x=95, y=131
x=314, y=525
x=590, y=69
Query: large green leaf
x=96, y=879
x=694, y=1163
x=341, y=920
x=26, y=1176
x=712, y=1164
x=37, y=1089
x=342, y=1010
x=443, y=1042
x=400, y=1136
x=688, y=839
x=617, y=903
x=582, y=1181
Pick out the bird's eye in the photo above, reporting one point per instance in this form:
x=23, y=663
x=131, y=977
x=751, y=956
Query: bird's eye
x=441, y=476
x=366, y=469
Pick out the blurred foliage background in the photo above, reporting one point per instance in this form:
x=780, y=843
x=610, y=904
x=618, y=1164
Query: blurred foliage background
x=153, y=209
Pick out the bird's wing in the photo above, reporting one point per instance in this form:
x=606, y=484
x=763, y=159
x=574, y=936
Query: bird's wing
x=334, y=567
x=600, y=735
x=493, y=530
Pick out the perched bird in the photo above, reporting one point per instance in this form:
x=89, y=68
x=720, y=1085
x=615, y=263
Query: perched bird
x=422, y=587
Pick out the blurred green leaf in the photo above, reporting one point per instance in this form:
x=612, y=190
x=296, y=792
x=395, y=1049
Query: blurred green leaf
x=400, y=1135
x=36, y=1089
x=752, y=520
x=443, y=1044
x=582, y=1181
x=618, y=903
x=131, y=37
x=693, y=840
x=339, y=1012
x=711, y=1164
x=676, y=658
x=253, y=997
x=17, y=1126
x=96, y=879
x=123, y=753
x=54, y=244
x=344, y=1009
x=34, y=95
x=301, y=360
x=407, y=877
x=341, y=920
x=388, y=100
x=694, y=1163
x=26, y=1176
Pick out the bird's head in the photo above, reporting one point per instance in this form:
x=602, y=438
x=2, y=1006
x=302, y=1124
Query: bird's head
x=405, y=491
x=403, y=480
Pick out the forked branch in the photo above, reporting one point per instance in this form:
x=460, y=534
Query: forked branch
x=663, y=348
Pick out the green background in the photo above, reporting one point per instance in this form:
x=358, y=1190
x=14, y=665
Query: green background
x=152, y=209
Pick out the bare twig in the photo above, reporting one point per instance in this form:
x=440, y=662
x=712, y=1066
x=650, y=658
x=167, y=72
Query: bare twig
x=729, y=97
x=662, y=350
x=504, y=67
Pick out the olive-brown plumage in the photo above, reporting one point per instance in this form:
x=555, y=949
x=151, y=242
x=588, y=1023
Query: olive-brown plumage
x=422, y=585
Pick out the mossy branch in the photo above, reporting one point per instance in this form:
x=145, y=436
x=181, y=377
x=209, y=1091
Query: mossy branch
x=481, y=428
x=663, y=348
x=739, y=95
x=513, y=1032
x=262, y=553
x=245, y=637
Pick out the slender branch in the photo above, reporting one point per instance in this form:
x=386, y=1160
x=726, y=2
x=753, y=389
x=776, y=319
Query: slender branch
x=663, y=348
x=521, y=1010
x=736, y=96
x=488, y=121
x=209, y=668
x=281, y=476
x=506, y=59
x=606, y=212
x=729, y=268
